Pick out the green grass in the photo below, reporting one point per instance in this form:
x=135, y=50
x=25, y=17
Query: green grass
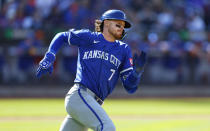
x=189, y=114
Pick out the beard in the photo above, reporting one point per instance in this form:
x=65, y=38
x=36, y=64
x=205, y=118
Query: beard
x=116, y=35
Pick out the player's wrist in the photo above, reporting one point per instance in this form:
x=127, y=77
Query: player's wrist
x=50, y=56
x=135, y=74
x=138, y=70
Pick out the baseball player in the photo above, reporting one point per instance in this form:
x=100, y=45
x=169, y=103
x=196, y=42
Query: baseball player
x=102, y=59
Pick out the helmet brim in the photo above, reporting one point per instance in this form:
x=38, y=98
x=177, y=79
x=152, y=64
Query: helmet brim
x=127, y=23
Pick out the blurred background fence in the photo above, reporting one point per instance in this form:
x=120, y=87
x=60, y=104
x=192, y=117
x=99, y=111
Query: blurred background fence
x=175, y=33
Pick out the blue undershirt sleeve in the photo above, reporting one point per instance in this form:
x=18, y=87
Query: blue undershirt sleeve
x=131, y=81
x=57, y=42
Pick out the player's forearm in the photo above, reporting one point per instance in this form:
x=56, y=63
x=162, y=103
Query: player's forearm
x=57, y=42
x=132, y=81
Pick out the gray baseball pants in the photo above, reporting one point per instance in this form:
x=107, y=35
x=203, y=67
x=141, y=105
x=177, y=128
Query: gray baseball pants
x=84, y=112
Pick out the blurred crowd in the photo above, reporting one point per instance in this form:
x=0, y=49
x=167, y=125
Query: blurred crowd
x=174, y=33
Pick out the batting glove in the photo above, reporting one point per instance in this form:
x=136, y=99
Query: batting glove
x=139, y=62
x=46, y=64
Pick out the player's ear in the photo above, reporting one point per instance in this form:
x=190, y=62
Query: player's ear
x=106, y=23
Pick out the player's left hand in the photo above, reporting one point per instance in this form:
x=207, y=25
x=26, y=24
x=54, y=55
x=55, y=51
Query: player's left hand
x=139, y=61
x=97, y=25
x=46, y=65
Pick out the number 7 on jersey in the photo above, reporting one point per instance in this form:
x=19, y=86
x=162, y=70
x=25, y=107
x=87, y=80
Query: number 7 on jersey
x=113, y=71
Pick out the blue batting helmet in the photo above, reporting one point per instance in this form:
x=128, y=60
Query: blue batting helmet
x=115, y=15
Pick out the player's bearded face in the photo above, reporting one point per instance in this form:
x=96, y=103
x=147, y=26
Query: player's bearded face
x=116, y=28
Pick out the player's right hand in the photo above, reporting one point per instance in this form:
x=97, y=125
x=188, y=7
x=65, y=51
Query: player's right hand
x=46, y=65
